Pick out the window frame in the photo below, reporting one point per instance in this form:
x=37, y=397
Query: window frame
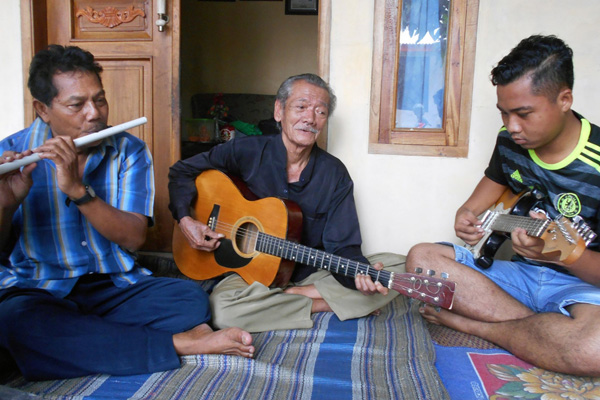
x=453, y=139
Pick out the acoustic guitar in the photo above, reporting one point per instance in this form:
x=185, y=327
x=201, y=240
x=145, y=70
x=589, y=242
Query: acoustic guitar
x=260, y=244
x=567, y=238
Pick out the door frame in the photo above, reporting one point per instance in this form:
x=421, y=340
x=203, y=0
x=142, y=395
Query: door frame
x=323, y=53
x=33, y=39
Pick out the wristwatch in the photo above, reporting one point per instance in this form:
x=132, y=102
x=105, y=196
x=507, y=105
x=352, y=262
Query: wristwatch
x=86, y=198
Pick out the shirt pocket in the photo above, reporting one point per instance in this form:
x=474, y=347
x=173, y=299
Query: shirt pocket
x=313, y=226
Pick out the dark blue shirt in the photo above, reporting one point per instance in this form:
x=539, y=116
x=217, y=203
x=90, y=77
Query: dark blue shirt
x=324, y=192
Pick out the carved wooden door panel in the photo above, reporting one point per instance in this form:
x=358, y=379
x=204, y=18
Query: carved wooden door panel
x=140, y=75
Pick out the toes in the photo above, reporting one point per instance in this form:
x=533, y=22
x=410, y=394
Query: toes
x=246, y=338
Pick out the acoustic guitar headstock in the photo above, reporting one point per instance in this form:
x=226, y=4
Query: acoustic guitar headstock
x=439, y=292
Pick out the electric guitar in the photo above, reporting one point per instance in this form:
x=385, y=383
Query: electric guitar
x=260, y=244
x=560, y=235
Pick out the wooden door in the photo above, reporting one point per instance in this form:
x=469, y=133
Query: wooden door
x=141, y=73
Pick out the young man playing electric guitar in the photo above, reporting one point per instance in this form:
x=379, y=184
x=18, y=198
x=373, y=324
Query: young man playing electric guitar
x=537, y=306
x=287, y=166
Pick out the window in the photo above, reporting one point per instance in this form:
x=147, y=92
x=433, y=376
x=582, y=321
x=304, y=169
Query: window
x=423, y=59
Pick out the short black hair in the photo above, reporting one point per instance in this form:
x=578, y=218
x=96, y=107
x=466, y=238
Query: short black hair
x=57, y=59
x=547, y=59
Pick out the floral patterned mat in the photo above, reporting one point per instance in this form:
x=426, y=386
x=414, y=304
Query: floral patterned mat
x=472, y=368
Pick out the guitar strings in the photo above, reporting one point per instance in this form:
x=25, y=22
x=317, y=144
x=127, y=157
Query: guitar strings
x=225, y=227
x=399, y=282
x=352, y=265
x=533, y=226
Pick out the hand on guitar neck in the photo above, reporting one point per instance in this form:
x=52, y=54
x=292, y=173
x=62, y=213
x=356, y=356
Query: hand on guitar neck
x=366, y=285
x=533, y=247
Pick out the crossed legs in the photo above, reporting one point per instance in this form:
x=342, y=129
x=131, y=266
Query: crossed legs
x=550, y=340
x=100, y=328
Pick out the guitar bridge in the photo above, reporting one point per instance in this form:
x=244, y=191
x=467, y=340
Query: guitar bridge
x=214, y=217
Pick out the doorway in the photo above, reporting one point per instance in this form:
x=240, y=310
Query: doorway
x=163, y=85
x=243, y=47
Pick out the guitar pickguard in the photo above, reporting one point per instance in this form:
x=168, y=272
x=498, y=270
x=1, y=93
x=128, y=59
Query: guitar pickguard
x=226, y=256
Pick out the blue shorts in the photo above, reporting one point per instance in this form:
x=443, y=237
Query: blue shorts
x=540, y=288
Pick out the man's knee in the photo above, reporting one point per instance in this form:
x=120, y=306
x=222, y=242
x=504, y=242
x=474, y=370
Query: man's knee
x=231, y=306
x=584, y=358
x=426, y=255
x=20, y=305
x=20, y=309
x=192, y=305
x=222, y=316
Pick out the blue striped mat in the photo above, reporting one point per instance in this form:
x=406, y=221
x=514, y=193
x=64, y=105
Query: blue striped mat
x=390, y=356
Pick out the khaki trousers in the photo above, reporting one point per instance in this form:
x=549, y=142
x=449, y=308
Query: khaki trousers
x=258, y=308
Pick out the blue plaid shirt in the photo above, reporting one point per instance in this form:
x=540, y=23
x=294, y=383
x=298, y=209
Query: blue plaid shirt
x=53, y=243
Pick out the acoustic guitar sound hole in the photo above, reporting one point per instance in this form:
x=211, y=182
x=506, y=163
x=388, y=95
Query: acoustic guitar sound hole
x=245, y=238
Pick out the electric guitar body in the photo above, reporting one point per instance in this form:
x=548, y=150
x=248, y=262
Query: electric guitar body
x=509, y=203
x=567, y=239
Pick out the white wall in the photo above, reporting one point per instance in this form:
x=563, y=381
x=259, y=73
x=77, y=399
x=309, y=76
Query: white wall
x=405, y=200
x=401, y=200
x=11, y=92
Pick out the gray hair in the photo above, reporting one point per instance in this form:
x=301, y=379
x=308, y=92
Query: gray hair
x=285, y=90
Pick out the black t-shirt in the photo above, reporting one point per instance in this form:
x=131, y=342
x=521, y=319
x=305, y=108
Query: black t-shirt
x=570, y=187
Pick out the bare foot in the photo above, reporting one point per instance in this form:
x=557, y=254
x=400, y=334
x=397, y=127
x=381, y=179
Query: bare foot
x=449, y=319
x=308, y=291
x=203, y=340
x=320, y=305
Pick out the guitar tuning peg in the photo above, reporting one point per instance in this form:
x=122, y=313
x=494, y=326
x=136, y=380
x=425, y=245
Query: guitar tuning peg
x=444, y=275
x=430, y=272
x=418, y=270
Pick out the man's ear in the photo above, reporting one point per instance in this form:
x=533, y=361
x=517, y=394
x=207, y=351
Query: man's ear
x=278, y=111
x=565, y=99
x=41, y=110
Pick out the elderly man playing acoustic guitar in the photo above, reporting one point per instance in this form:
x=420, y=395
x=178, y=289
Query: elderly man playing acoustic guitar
x=287, y=166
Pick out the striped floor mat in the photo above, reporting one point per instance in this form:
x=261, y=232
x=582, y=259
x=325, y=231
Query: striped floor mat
x=389, y=356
